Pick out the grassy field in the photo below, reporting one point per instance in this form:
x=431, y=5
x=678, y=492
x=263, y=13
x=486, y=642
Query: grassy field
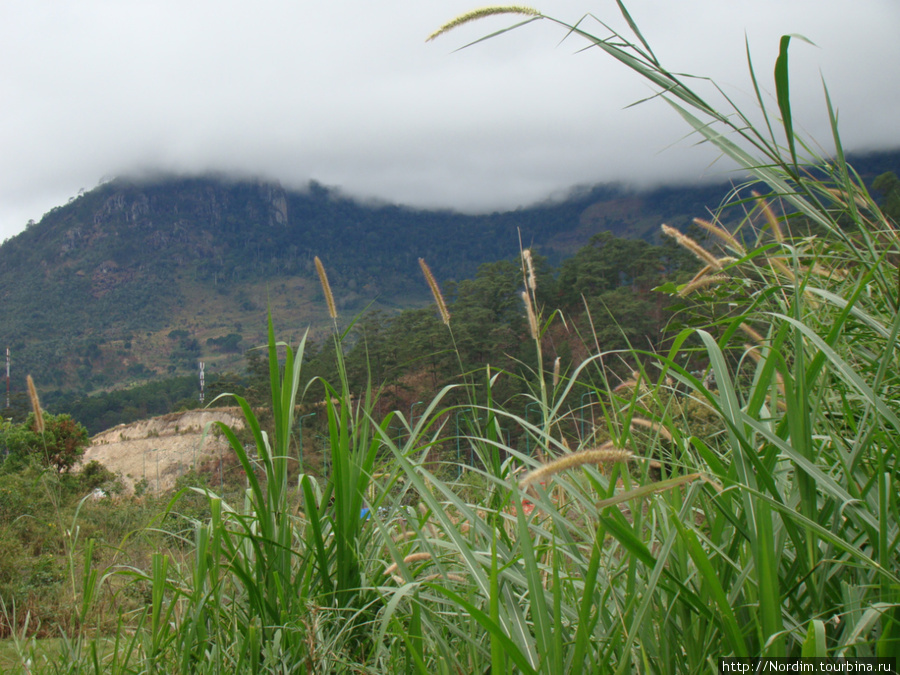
x=737, y=497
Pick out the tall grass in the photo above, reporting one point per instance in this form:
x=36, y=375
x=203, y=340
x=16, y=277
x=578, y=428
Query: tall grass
x=749, y=510
x=797, y=548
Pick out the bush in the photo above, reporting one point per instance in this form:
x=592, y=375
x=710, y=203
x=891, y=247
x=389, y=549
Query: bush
x=60, y=444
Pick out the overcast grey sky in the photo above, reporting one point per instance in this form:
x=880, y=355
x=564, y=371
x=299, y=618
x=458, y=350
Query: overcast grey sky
x=349, y=94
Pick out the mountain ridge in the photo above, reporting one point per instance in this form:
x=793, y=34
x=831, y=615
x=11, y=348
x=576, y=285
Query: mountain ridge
x=139, y=279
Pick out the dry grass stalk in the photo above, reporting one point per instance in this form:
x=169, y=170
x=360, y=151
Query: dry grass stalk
x=532, y=318
x=661, y=430
x=721, y=233
x=35, y=406
x=627, y=384
x=326, y=289
x=556, y=367
x=476, y=14
x=530, y=278
x=706, y=269
x=840, y=196
x=703, y=282
x=770, y=217
x=605, y=454
x=826, y=273
x=635, y=380
x=435, y=291
x=692, y=246
x=780, y=265
x=752, y=334
x=411, y=558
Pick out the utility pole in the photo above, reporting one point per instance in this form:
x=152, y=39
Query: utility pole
x=7, y=377
x=202, y=383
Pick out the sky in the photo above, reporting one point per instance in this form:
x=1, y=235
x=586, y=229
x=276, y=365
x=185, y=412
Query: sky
x=350, y=94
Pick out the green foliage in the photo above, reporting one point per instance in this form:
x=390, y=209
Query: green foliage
x=59, y=444
x=106, y=410
x=138, y=253
x=736, y=495
x=889, y=186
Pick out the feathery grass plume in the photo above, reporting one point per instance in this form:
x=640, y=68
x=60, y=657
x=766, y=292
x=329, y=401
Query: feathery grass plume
x=706, y=269
x=661, y=430
x=530, y=278
x=411, y=558
x=476, y=14
x=556, y=372
x=435, y=291
x=625, y=385
x=326, y=288
x=770, y=217
x=702, y=282
x=633, y=382
x=35, y=406
x=605, y=454
x=825, y=272
x=840, y=196
x=780, y=265
x=532, y=319
x=692, y=246
x=721, y=233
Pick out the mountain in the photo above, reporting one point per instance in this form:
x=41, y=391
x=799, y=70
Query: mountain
x=139, y=279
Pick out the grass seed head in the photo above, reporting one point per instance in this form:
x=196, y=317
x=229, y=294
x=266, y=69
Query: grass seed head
x=476, y=14
x=692, y=246
x=752, y=333
x=721, y=233
x=661, y=430
x=326, y=288
x=532, y=318
x=35, y=406
x=411, y=558
x=530, y=278
x=702, y=282
x=770, y=217
x=605, y=454
x=435, y=291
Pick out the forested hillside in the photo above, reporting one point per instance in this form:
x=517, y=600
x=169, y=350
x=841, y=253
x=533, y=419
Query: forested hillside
x=139, y=280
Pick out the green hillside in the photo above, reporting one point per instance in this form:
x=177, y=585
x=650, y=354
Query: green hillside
x=138, y=280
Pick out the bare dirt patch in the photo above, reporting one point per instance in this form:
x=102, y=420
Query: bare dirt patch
x=163, y=448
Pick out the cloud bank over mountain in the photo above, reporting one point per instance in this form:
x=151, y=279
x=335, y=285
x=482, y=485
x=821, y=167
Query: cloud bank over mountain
x=349, y=94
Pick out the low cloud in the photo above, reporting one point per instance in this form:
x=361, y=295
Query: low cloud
x=349, y=94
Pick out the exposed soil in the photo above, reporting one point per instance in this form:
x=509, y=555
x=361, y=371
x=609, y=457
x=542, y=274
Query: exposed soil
x=163, y=448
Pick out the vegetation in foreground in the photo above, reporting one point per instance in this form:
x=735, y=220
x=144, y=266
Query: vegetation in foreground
x=750, y=509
